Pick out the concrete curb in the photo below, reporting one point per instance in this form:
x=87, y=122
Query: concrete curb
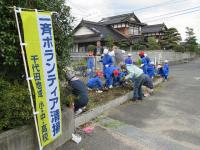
x=93, y=113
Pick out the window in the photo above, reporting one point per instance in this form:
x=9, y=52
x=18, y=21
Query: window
x=130, y=30
x=136, y=31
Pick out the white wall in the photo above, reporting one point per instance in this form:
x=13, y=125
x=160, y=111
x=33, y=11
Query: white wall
x=83, y=31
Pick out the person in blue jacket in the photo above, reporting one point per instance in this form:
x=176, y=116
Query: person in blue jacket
x=151, y=70
x=160, y=71
x=78, y=89
x=144, y=64
x=107, y=62
x=128, y=60
x=90, y=65
x=148, y=60
x=107, y=59
x=166, y=69
x=116, y=76
x=95, y=83
x=109, y=76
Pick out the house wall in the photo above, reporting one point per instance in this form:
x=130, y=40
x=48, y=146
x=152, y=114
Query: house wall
x=124, y=31
x=83, y=31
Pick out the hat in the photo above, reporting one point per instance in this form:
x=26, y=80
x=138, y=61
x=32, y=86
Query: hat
x=141, y=53
x=152, y=63
x=116, y=73
x=69, y=73
x=145, y=54
x=129, y=54
x=166, y=61
x=105, y=51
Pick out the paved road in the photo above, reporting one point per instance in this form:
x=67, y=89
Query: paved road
x=168, y=120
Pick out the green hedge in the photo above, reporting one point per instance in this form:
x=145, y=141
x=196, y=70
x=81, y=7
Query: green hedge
x=15, y=105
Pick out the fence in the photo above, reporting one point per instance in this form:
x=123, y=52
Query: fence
x=79, y=60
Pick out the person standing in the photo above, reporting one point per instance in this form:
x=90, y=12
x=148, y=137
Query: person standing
x=90, y=65
x=107, y=63
x=119, y=55
x=148, y=60
x=128, y=60
x=166, y=69
x=144, y=62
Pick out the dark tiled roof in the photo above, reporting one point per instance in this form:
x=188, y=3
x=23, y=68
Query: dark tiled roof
x=153, y=28
x=101, y=31
x=120, y=18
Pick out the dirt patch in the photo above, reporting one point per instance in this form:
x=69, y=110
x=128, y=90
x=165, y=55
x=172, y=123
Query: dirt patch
x=97, y=99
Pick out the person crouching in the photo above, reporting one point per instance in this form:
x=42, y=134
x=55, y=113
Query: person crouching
x=78, y=89
x=139, y=79
x=96, y=83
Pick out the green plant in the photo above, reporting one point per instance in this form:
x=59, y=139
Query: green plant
x=171, y=39
x=15, y=105
x=10, y=54
x=91, y=47
x=153, y=44
x=141, y=47
x=191, y=41
x=109, y=42
x=123, y=44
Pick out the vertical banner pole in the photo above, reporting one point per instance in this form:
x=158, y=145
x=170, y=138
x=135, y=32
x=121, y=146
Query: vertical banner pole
x=27, y=78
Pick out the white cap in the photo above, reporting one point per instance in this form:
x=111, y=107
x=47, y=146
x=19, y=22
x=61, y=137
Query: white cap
x=152, y=63
x=105, y=51
x=129, y=54
x=166, y=61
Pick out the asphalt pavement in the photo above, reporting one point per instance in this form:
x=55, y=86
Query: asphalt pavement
x=168, y=120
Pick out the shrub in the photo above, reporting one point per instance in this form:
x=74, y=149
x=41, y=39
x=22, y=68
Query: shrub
x=15, y=105
x=91, y=47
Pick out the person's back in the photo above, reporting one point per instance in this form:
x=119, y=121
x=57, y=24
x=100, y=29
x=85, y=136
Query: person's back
x=128, y=60
x=151, y=70
x=166, y=69
x=90, y=62
x=107, y=60
x=133, y=71
x=148, y=60
x=143, y=61
x=95, y=83
x=119, y=58
x=78, y=87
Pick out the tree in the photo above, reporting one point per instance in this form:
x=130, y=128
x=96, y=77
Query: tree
x=171, y=39
x=91, y=47
x=10, y=54
x=109, y=42
x=152, y=44
x=123, y=44
x=191, y=41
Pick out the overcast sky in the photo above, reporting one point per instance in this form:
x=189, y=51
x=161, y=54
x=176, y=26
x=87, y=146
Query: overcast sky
x=148, y=11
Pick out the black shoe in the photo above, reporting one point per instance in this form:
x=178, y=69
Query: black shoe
x=134, y=99
x=140, y=99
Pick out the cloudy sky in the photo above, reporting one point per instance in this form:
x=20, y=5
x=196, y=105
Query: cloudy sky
x=174, y=13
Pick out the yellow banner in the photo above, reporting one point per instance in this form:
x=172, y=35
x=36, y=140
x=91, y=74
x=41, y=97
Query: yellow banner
x=41, y=58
